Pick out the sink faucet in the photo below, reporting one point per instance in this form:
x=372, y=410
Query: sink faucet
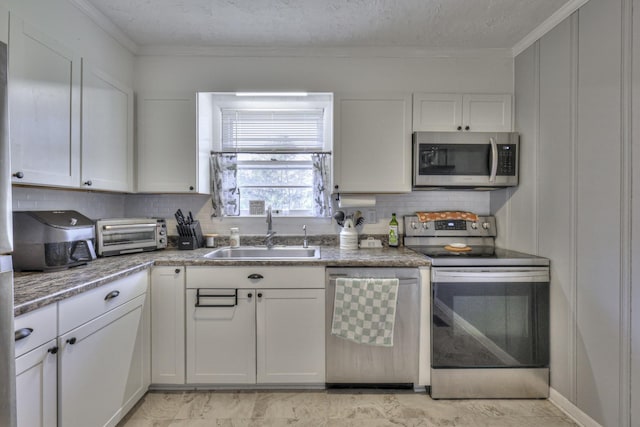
x=305, y=243
x=268, y=240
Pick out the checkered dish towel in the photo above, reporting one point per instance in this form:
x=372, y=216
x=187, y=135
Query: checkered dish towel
x=364, y=310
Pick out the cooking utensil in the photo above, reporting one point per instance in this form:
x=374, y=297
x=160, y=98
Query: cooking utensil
x=339, y=217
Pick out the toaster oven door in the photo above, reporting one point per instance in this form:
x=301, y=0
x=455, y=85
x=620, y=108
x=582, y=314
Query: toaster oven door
x=124, y=238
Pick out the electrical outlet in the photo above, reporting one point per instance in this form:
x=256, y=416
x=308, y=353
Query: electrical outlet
x=371, y=217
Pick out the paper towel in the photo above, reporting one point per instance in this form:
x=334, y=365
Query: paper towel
x=357, y=201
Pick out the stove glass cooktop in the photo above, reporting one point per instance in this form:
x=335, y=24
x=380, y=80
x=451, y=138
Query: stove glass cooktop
x=478, y=256
x=440, y=251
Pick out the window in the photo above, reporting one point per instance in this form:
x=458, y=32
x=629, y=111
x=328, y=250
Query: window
x=273, y=149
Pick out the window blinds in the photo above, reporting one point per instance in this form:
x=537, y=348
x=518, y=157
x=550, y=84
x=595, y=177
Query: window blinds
x=253, y=130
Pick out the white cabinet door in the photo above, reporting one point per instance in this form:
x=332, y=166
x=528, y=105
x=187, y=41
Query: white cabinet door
x=443, y=112
x=290, y=336
x=486, y=112
x=168, y=159
x=167, y=325
x=221, y=344
x=44, y=100
x=372, y=144
x=101, y=367
x=437, y=111
x=36, y=387
x=107, y=132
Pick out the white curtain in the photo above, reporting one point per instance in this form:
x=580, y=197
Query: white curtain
x=321, y=182
x=225, y=194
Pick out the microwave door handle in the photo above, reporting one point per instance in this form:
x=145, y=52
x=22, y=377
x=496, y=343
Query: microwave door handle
x=494, y=160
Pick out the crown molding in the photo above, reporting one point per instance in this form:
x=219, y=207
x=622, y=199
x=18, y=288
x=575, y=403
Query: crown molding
x=546, y=26
x=321, y=52
x=105, y=23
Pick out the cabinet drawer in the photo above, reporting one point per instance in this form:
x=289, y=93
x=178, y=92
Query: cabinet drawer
x=255, y=277
x=80, y=309
x=42, y=326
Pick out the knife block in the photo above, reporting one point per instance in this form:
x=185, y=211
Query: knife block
x=190, y=236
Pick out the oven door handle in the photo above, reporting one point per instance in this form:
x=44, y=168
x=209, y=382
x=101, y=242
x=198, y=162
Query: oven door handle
x=128, y=226
x=490, y=276
x=494, y=160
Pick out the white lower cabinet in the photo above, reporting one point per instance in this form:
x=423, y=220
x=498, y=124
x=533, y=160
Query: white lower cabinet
x=239, y=332
x=221, y=343
x=36, y=367
x=36, y=387
x=103, y=362
x=290, y=336
x=167, y=325
x=101, y=368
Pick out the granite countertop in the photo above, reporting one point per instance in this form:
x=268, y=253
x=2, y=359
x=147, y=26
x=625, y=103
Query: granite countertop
x=36, y=289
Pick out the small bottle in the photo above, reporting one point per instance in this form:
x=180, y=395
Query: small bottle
x=393, y=231
x=234, y=237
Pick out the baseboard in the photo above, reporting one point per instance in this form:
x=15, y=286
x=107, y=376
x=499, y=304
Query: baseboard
x=571, y=410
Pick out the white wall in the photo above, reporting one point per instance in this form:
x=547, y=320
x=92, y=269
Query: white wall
x=322, y=74
x=91, y=204
x=573, y=110
x=179, y=75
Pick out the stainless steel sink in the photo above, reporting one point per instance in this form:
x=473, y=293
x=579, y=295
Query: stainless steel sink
x=262, y=252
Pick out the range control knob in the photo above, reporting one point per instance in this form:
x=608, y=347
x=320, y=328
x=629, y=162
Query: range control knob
x=414, y=225
x=162, y=232
x=486, y=225
x=425, y=225
x=474, y=225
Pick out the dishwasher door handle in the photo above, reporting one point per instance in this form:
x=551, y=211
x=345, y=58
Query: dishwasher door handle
x=402, y=281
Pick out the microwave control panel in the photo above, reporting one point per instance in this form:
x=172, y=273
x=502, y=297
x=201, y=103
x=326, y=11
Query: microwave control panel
x=507, y=159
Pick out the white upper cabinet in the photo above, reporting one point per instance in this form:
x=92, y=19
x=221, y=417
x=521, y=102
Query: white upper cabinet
x=44, y=100
x=372, y=143
x=462, y=112
x=107, y=132
x=169, y=156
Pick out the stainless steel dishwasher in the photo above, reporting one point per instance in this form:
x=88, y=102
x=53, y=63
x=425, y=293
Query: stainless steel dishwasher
x=352, y=364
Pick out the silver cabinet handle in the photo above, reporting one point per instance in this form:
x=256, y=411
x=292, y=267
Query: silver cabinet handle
x=23, y=333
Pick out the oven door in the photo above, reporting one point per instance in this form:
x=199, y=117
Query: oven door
x=490, y=317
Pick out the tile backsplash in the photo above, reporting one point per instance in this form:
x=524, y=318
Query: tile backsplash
x=108, y=205
x=91, y=204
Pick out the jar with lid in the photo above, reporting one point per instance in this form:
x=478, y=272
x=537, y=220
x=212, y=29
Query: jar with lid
x=234, y=237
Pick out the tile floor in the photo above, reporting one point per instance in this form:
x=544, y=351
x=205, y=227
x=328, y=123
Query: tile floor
x=335, y=408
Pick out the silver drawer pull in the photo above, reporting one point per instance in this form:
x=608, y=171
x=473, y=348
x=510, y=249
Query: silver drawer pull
x=23, y=333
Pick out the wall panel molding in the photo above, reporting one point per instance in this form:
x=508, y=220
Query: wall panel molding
x=626, y=168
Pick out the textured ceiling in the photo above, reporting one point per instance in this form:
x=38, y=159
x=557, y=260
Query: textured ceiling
x=428, y=24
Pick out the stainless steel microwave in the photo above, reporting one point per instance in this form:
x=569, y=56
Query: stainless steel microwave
x=478, y=160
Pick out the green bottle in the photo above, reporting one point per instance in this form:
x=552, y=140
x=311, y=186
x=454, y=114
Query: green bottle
x=393, y=231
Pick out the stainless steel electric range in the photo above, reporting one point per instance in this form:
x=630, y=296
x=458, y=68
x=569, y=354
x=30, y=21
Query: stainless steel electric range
x=489, y=309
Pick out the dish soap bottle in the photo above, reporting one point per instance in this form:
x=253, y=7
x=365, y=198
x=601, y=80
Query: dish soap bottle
x=393, y=231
